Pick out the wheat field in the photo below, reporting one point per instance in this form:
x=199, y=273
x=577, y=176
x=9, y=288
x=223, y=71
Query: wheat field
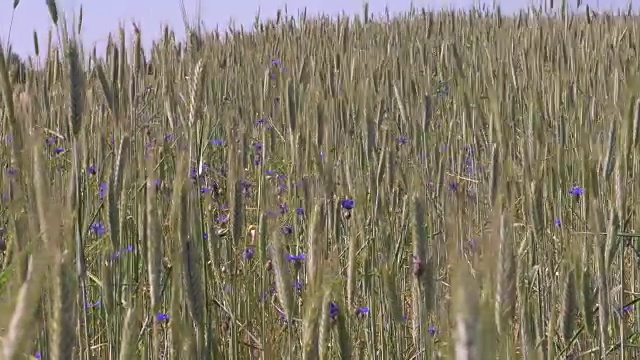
x=435, y=185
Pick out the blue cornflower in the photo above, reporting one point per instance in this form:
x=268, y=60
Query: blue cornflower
x=362, y=310
x=193, y=173
x=93, y=305
x=265, y=295
x=432, y=330
x=287, y=229
x=217, y=142
x=37, y=355
x=296, y=258
x=248, y=253
x=297, y=285
x=222, y=218
x=576, y=191
x=260, y=121
x=102, y=190
x=169, y=137
x=270, y=172
x=257, y=146
x=51, y=140
x=160, y=316
x=347, y=204
x=334, y=310
x=92, y=169
x=283, y=208
x=557, y=222
x=58, y=150
x=128, y=249
x=300, y=211
x=402, y=139
x=98, y=228
x=246, y=187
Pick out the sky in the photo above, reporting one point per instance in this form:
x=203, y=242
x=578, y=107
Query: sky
x=102, y=17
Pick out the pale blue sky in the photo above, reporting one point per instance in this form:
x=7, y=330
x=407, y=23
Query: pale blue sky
x=103, y=16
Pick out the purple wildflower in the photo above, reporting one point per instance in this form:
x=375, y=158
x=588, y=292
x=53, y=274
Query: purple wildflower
x=222, y=218
x=297, y=285
x=248, y=253
x=98, y=228
x=362, y=310
x=347, y=204
x=283, y=208
x=576, y=191
x=193, y=173
x=287, y=229
x=93, y=305
x=102, y=190
x=453, y=186
x=334, y=310
x=160, y=316
x=296, y=258
x=432, y=330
